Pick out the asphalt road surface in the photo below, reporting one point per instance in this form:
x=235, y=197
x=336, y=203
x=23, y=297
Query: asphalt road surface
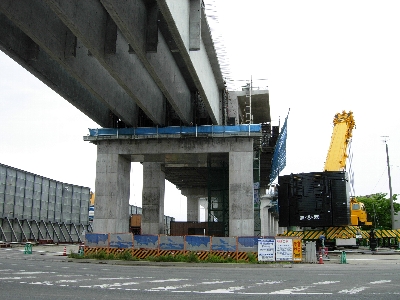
x=56, y=277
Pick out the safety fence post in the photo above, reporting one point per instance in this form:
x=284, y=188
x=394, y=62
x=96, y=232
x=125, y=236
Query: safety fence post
x=343, y=258
x=28, y=248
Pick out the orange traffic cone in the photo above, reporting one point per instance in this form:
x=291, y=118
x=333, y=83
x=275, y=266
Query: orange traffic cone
x=321, y=261
x=65, y=251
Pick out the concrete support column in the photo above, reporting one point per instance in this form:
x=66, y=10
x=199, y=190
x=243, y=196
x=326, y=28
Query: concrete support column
x=271, y=223
x=264, y=221
x=265, y=204
x=241, y=203
x=193, y=209
x=204, y=203
x=276, y=227
x=281, y=230
x=193, y=196
x=153, y=198
x=112, y=192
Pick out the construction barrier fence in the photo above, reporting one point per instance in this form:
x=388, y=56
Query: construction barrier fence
x=144, y=246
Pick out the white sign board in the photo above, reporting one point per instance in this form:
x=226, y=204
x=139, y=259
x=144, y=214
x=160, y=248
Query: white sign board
x=266, y=249
x=284, y=249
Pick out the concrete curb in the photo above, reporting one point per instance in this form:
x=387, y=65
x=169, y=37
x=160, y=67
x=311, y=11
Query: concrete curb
x=180, y=264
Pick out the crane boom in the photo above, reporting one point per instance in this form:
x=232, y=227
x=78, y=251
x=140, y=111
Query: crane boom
x=343, y=124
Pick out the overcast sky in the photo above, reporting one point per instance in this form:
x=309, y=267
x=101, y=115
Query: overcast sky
x=319, y=58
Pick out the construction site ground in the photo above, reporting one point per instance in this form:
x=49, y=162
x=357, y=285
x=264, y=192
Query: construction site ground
x=360, y=256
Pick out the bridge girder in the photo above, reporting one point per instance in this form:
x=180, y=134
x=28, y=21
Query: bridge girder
x=118, y=60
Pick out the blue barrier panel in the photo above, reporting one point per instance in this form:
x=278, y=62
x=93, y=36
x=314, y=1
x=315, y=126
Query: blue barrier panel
x=197, y=243
x=172, y=242
x=205, y=129
x=248, y=243
x=121, y=240
x=96, y=239
x=223, y=244
x=145, y=241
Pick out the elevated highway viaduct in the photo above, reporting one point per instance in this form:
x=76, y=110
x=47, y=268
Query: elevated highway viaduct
x=142, y=64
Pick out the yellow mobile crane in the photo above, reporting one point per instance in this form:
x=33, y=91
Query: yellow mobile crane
x=343, y=124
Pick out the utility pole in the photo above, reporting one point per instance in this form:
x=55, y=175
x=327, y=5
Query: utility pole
x=390, y=182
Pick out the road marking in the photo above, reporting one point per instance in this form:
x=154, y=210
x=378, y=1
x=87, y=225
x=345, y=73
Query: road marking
x=171, y=287
x=269, y=282
x=380, y=281
x=216, y=282
x=294, y=290
x=31, y=273
x=16, y=277
x=167, y=280
x=325, y=282
x=229, y=290
x=316, y=293
x=353, y=290
x=42, y=283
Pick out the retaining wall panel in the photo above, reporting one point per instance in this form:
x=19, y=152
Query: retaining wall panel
x=57, y=216
x=96, y=239
x=35, y=213
x=121, y=240
x=52, y=191
x=19, y=200
x=37, y=188
x=248, y=244
x=3, y=174
x=11, y=178
x=84, y=219
x=197, y=243
x=44, y=196
x=50, y=215
x=2, y=196
x=20, y=184
x=145, y=241
x=50, y=206
x=74, y=218
x=172, y=242
x=8, y=209
x=223, y=244
x=18, y=210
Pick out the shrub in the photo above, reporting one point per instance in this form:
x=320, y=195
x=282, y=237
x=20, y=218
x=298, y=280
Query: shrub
x=192, y=257
x=252, y=258
x=126, y=255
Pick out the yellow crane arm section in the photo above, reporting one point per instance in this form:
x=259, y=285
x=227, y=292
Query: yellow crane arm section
x=343, y=124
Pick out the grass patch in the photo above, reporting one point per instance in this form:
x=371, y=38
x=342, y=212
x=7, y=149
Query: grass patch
x=189, y=257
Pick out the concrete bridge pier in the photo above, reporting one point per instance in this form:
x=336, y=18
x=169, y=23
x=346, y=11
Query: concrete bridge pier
x=112, y=192
x=113, y=175
x=241, y=193
x=193, y=196
x=266, y=216
x=204, y=203
x=153, y=198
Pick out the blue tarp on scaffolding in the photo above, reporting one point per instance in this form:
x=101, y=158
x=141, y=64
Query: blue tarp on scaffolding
x=279, y=156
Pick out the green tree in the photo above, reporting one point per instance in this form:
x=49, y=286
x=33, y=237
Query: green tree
x=378, y=209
